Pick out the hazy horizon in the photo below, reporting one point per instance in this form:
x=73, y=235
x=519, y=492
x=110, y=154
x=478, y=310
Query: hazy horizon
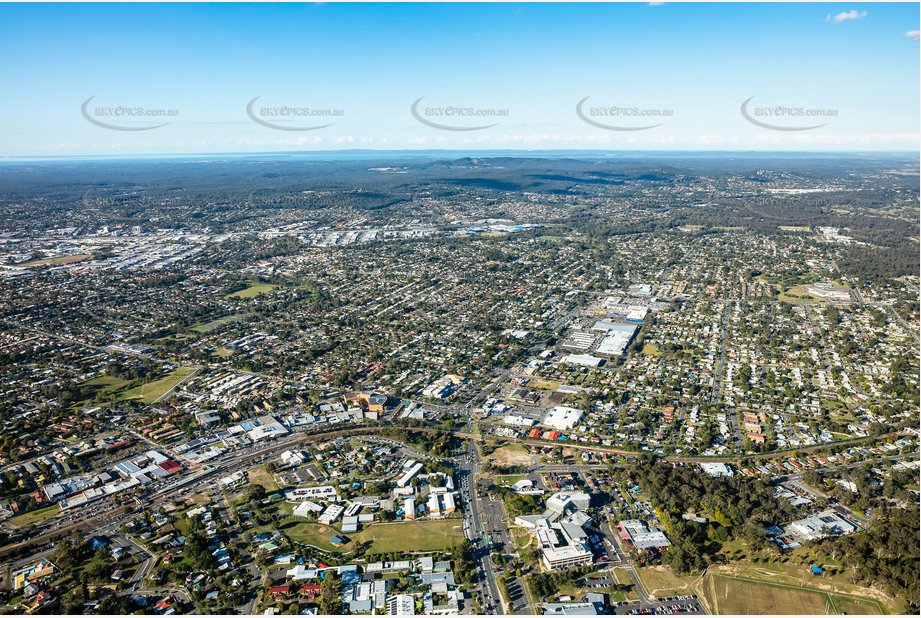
x=382, y=153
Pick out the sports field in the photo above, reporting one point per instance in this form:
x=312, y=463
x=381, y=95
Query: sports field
x=853, y=606
x=412, y=536
x=207, y=327
x=730, y=595
x=317, y=535
x=150, y=392
x=104, y=385
x=255, y=289
x=384, y=538
x=797, y=294
x=57, y=261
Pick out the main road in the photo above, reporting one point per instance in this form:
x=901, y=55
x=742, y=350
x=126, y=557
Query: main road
x=474, y=529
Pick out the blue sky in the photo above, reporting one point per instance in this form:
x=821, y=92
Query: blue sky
x=685, y=67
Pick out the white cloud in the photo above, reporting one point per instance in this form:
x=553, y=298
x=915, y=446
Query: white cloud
x=422, y=141
x=844, y=16
x=301, y=141
x=656, y=3
x=891, y=139
x=913, y=34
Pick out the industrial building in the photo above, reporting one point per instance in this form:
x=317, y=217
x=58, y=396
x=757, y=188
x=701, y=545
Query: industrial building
x=585, y=360
x=562, y=417
x=617, y=337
